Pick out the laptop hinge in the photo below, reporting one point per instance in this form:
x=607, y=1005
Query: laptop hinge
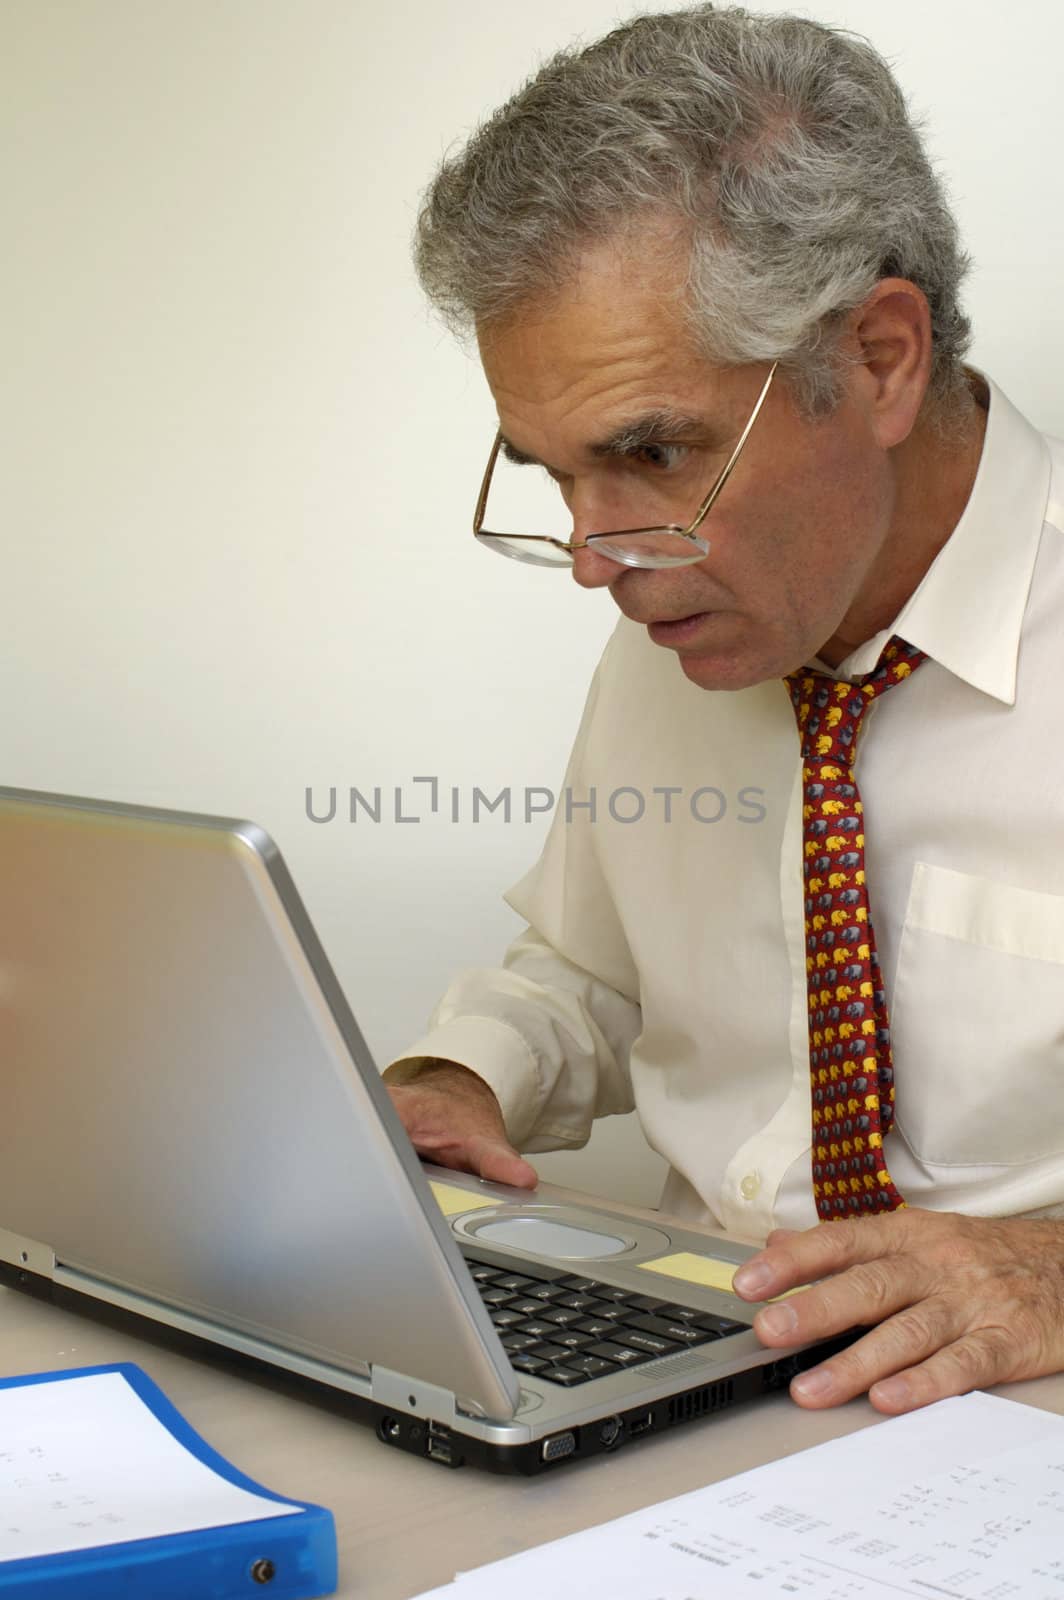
x=28, y=1253
x=412, y=1395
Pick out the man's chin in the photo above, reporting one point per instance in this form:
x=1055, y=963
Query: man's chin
x=723, y=669
x=713, y=650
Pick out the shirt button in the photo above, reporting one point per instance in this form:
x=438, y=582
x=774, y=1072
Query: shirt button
x=750, y=1187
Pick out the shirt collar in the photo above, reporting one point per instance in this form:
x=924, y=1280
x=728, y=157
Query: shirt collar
x=967, y=611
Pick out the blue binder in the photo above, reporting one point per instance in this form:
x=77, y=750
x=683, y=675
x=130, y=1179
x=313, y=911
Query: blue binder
x=287, y=1557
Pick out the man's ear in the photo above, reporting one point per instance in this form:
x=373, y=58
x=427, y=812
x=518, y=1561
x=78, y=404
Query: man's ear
x=890, y=344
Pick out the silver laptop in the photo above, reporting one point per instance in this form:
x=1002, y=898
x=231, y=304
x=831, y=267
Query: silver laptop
x=193, y=1131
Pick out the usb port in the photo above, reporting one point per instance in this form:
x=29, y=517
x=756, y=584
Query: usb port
x=638, y=1425
x=440, y=1447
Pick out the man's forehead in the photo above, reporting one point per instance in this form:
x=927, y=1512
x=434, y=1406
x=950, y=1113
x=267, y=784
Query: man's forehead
x=618, y=309
x=599, y=375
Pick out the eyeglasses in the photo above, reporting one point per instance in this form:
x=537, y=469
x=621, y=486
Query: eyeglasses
x=668, y=546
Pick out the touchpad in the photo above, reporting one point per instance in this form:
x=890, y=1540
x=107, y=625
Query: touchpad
x=543, y=1238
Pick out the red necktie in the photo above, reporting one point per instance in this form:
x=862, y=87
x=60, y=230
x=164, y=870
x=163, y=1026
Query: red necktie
x=850, y=1060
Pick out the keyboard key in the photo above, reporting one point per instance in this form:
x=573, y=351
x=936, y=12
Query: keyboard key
x=576, y=1302
x=720, y=1327
x=645, y=1302
x=495, y=1297
x=598, y=1327
x=548, y=1291
x=681, y=1332
x=513, y=1281
x=483, y=1274
x=505, y=1318
x=550, y=1352
x=652, y=1343
x=561, y=1316
x=532, y=1325
x=516, y=1342
x=573, y=1280
x=571, y=1339
x=605, y=1308
x=594, y=1366
x=610, y=1291
x=565, y=1376
x=528, y=1363
x=527, y=1308
x=622, y=1354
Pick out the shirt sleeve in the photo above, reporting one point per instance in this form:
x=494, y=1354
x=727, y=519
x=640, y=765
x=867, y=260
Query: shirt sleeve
x=550, y=1030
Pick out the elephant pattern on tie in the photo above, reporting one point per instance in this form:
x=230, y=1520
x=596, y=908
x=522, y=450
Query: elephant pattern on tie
x=850, y=1060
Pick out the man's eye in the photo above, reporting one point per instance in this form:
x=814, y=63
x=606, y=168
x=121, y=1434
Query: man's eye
x=662, y=457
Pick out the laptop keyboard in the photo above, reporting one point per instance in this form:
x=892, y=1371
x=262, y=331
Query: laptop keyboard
x=569, y=1329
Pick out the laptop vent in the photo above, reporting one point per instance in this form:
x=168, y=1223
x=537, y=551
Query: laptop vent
x=700, y=1402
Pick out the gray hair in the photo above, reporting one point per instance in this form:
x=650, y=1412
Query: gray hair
x=783, y=147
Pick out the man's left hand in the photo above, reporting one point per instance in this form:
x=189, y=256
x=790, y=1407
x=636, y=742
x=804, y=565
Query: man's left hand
x=958, y=1303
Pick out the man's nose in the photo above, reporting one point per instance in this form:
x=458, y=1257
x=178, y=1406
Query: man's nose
x=592, y=570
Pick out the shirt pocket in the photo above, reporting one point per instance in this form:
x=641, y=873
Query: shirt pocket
x=978, y=1021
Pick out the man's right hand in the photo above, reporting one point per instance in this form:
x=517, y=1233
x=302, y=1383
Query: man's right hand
x=453, y=1118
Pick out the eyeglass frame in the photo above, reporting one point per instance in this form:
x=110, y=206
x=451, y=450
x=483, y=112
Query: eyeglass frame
x=690, y=532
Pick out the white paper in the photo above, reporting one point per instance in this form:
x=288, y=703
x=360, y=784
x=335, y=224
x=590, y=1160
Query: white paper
x=83, y=1461
x=961, y=1501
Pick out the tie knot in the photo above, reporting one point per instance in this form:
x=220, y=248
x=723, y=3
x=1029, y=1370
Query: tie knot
x=829, y=710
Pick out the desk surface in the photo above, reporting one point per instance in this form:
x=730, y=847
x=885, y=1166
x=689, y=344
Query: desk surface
x=404, y=1524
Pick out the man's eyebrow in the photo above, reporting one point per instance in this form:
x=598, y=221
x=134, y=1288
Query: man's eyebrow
x=660, y=426
x=518, y=457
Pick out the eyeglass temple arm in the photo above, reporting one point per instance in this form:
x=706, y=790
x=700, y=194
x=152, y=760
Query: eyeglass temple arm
x=707, y=504
x=485, y=484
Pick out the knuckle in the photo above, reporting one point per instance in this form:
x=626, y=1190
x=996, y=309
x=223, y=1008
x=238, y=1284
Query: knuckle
x=876, y=1282
x=918, y=1330
x=975, y=1359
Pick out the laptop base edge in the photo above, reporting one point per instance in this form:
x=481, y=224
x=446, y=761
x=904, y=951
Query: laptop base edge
x=438, y=1441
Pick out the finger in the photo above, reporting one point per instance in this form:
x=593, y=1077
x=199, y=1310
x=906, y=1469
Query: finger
x=858, y=1297
x=976, y=1361
x=792, y=1258
x=499, y=1162
x=909, y=1337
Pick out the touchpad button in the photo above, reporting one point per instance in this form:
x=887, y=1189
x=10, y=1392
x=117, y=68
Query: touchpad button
x=543, y=1238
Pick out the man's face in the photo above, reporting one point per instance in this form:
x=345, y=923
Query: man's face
x=797, y=530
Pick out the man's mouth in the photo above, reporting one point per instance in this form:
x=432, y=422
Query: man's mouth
x=679, y=631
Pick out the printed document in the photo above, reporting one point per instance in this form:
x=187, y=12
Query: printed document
x=961, y=1501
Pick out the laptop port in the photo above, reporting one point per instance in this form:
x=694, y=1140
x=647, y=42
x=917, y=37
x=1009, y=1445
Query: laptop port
x=559, y=1446
x=389, y=1429
x=638, y=1425
x=440, y=1446
x=610, y=1431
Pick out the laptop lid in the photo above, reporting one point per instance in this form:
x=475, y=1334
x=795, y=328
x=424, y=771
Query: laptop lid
x=174, y=1044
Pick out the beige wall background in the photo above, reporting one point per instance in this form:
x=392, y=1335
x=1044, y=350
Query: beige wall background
x=239, y=458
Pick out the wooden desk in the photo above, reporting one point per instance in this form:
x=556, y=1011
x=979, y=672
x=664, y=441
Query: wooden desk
x=404, y=1524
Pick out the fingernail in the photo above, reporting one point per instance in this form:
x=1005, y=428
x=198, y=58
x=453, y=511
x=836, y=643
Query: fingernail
x=778, y=1321
x=892, y=1392
x=752, y=1278
x=814, y=1385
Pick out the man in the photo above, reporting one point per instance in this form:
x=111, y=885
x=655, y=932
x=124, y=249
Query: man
x=715, y=289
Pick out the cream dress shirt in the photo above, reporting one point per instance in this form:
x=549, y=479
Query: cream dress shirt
x=664, y=963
